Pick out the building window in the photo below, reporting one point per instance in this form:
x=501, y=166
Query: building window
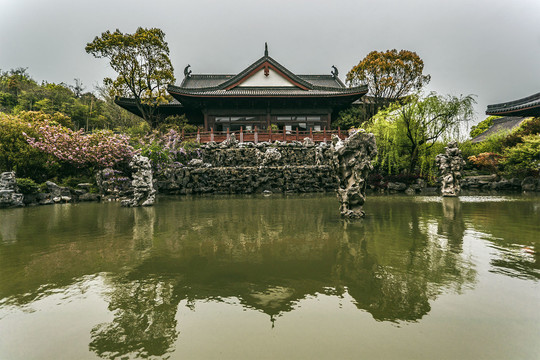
x=234, y=123
x=300, y=122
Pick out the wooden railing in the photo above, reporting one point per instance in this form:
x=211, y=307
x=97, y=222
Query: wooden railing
x=266, y=135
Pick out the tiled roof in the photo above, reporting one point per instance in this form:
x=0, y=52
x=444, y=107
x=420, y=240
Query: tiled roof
x=222, y=85
x=501, y=125
x=198, y=81
x=528, y=106
x=273, y=92
x=323, y=80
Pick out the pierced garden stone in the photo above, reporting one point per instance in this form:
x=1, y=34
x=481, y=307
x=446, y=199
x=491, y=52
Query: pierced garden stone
x=142, y=183
x=352, y=163
x=451, y=166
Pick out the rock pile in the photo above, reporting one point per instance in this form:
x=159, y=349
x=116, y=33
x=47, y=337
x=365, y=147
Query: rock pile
x=352, y=164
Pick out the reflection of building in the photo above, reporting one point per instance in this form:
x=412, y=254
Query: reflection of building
x=262, y=94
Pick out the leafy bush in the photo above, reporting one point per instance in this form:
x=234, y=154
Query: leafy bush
x=486, y=161
x=17, y=155
x=352, y=117
x=27, y=186
x=176, y=123
x=524, y=158
x=168, y=149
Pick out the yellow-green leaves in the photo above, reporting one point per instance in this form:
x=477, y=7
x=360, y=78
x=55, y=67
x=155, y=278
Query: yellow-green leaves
x=389, y=75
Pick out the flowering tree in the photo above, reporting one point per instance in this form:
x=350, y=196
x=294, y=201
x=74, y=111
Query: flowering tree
x=100, y=149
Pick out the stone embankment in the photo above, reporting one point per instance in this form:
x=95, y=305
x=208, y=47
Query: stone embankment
x=245, y=168
x=476, y=183
x=51, y=194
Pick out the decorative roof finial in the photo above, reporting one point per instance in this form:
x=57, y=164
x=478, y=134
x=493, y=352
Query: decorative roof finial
x=187, y=72
x=265, y=49
x=335, y=71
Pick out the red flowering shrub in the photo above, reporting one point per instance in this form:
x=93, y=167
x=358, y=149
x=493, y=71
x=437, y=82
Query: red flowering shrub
x=488, y=161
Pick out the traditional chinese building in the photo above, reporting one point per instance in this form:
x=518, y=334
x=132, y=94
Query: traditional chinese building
x=528, y=106
x=263, y=94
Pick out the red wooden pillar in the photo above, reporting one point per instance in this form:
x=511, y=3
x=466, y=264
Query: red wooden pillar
x=198, y=135
x=241, y=134
x=284, y=134
x=183, y=135
x=339, y=132
x=228, y=134
x=297, y=133
x=311, y=133
x=325, y=134
x=270, y=133
x=212, y=133
x=256, y=136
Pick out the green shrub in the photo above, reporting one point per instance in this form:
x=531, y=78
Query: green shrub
x=352, y=117
x=176, y=123
x=17, y=155
x=524, y=158
x=27, y=186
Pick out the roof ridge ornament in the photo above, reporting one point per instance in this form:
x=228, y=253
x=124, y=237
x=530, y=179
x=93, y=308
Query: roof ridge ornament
x=187, y=72
x=266, y=49
x=335, y=71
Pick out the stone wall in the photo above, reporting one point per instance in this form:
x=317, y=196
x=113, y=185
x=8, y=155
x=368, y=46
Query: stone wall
x=232, y=168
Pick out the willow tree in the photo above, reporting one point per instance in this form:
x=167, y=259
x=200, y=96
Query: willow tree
x=389, y=75
x=142, y=63
x=406, y=134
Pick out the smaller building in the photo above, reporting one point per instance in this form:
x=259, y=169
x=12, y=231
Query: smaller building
x=527, y=106
x=513, y=113
x=502, y=125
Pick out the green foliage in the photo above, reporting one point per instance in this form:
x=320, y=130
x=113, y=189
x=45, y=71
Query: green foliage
x=352, y=117
x=142, y=63
x=482, y=126
x=176, y=123
x=27, y=186
x=524, y=158
x=168, y=149
x=19, y=93
x=15, y=152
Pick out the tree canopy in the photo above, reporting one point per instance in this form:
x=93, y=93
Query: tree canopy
x=142, y=63
x=389, y=75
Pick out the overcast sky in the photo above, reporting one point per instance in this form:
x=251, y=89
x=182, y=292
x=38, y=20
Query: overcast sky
x=487, y=48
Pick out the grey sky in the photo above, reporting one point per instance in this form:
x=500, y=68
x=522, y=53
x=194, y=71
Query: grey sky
x=487, y=48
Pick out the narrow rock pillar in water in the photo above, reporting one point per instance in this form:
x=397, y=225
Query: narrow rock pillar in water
x=142, y=183
x=352, y=164
x=450, y=165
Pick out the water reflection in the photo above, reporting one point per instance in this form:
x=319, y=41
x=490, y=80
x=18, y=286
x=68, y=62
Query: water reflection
x=269, y=253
